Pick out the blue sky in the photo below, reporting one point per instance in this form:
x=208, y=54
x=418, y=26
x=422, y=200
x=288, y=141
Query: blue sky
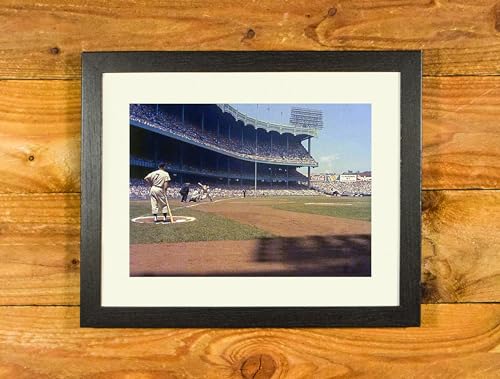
x=343, y=144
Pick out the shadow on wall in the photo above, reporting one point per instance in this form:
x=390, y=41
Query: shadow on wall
x=348, y=255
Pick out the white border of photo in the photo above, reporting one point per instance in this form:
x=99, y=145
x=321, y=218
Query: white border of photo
x=380, y=89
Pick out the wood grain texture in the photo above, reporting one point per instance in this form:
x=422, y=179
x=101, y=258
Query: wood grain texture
x=41, y=120
x=461, y=132
x=39, y=233
x=458, y=36
x=460, y=341
x=39, y=136
x=39, y=240
x=461, y=246
x=39, y=248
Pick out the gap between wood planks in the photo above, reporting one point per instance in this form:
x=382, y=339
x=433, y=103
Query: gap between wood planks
x=78, y=305
x=78, y=79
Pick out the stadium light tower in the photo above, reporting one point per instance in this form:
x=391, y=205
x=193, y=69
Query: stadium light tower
x=307, y=118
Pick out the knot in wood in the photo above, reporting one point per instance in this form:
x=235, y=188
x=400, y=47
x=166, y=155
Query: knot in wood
x=31, y=158
x=55, y=50
x=332, y=12
x=497, y=17
x=250, y=34
x=258, y=366
x=431, y=202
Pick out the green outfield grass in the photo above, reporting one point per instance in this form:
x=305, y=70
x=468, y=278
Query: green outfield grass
x=207, y=227
x=357, y=208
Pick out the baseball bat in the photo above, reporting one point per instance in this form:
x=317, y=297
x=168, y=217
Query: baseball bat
x=169, y=211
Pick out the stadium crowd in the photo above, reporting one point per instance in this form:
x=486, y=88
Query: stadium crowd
x=356, y=188
x=294, y=153
x=139, y=190
x=276, y=175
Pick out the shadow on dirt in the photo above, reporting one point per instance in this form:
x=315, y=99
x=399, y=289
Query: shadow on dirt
x=348, y=255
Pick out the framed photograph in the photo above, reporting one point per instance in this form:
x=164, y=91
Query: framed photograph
x=250, y=189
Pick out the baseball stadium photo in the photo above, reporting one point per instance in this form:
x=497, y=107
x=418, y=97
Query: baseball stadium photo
x=250, y=190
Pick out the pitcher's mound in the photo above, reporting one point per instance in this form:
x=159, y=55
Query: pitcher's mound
x=151, y=220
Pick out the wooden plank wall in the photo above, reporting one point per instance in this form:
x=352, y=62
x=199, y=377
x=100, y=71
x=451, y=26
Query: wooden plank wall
x=40, y=46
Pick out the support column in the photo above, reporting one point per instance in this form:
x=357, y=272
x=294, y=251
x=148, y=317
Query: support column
x=218, y=128
x=286, y=177
x=182, y=113
x=255, y=178
x=182, y=156
x=287, y=143
x=228, y=171
x=202, y=122
x=309, y=167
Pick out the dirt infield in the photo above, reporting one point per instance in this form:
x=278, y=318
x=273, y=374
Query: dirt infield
x=284, y=223
x=305, y=244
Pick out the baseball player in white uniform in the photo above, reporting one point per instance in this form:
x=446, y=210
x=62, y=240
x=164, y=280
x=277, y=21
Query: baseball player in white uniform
x=158, y=180
x=205, y=192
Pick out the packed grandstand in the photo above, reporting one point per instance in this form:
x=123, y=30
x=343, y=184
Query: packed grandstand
x=266, y=149
x=140, y=191
x=233, y=153
x=217, y=145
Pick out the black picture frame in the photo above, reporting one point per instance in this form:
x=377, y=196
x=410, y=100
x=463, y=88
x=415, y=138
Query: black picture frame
x=94, y=64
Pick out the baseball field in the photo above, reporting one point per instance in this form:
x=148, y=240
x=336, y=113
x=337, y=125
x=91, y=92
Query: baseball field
x=263, y=236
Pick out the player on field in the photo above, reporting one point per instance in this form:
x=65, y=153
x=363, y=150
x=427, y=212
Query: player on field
x=205, y=191
x=158, y=180
x=184, y=191
x=195, y=196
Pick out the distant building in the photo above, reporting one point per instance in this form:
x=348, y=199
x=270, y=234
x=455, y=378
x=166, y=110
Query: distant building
x=365, y=176
x=348, y=177
x=332, y=177
x=317, y=178
x=324, y=177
